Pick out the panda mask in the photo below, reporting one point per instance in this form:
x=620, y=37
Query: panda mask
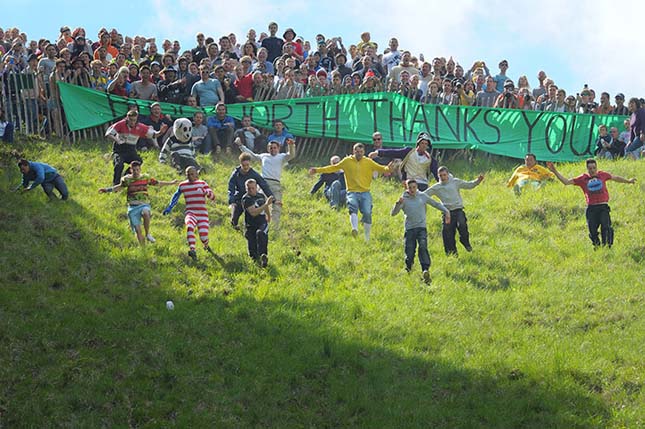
x=183, y=130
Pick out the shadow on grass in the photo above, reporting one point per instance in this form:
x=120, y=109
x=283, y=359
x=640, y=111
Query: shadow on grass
x=86, y=341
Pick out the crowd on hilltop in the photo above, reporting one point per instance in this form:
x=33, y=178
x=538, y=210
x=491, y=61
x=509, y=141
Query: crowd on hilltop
x=268, y=66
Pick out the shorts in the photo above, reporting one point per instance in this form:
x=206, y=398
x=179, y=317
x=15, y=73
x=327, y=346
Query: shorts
x=135, y=213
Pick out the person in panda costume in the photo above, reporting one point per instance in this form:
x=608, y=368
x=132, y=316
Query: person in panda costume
x=179, y=147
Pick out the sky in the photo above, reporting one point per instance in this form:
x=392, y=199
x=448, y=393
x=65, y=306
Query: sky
x=592, y=42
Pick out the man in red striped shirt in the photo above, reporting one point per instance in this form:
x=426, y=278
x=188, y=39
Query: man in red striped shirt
x=136, y=186
x=195, y=192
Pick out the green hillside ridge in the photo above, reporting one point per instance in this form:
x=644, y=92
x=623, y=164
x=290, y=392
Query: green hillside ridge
x=533, y=329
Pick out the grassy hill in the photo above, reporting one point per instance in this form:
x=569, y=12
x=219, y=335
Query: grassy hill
x=533, y=329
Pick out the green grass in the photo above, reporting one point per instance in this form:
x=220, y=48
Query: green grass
x=532, y=330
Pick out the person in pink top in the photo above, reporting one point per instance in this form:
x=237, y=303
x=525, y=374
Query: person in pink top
x=594, y=185
x=195, y=192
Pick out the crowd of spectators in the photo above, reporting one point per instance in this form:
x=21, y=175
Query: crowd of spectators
x=268, y=66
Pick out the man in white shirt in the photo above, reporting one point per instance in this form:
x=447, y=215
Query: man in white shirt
x=272, y=165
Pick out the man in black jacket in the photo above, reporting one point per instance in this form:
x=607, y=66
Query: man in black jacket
x=237, y=188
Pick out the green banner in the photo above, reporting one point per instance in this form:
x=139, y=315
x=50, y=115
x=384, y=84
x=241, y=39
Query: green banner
x=551, y=136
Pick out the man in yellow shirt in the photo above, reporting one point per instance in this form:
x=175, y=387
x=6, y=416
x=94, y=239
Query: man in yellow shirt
x=358, y=171
x=529, y=174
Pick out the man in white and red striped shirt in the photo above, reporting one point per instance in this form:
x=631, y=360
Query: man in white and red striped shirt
x=195, y=192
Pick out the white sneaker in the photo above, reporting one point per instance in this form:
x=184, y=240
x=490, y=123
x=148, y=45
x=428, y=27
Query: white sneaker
x=151, y=238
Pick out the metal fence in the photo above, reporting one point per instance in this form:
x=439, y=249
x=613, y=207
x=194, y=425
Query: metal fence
x=33, y=105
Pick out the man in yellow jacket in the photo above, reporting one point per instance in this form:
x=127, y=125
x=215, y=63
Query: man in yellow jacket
x=529, y=174
x=358, y=171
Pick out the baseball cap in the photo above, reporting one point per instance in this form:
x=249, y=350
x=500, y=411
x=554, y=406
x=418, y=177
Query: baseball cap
x=424, y=136
x=620, y=95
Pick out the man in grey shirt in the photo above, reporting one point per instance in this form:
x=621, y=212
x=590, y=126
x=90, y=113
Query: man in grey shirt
x=447, y=190
x=487, y=97
x=413, y=203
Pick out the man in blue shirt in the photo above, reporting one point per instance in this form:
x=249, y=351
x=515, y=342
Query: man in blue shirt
x=44, y=175
x=280, y=135
x=221, y=129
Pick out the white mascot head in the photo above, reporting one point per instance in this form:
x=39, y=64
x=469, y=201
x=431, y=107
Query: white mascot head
x=183, y=129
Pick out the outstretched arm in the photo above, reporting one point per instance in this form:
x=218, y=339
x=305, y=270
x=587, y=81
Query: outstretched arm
x=173, y=201
x=560, y=177
x=114, y=188
x=623, y=180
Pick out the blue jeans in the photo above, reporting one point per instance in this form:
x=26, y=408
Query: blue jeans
x=413, y=237
x=336, y=195
x=634, y=148
x=58, y=183
x=360, y=201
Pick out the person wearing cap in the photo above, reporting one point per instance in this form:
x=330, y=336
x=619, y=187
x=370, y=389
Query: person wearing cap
x=448, y=191
x=413, y=203
x=125, y=134
x=593, y=184
x=273, y=163
x=169, y=88
x=585, y=104
x=507, y=99
x=501, y=78
x=119, y=85
x=417, y=163
x=358, y=170
x=289, y=36
x=620, y=108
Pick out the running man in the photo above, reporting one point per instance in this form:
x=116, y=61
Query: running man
x=44, y=175
x=256, y=219
x=237, y=187
x=125, y=135
x=358, y=171
x=413, y=203
x=195, y=192
x=136, y=186
x=447, y=190
x=594, y=186
x=272, y=165
x=417, y=164
x=529, y=174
